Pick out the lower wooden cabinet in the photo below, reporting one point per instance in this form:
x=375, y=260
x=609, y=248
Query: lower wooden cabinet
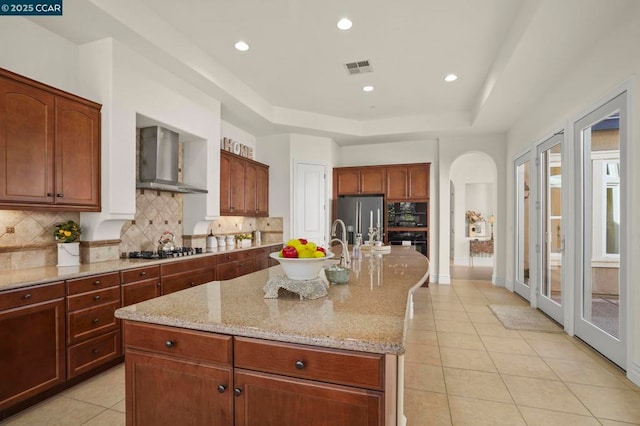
x=32, y=354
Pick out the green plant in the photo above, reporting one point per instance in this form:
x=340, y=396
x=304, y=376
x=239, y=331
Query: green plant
x=67, y=232
x=244, y=237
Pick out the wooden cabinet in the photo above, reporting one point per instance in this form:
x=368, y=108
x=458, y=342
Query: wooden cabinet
x=408, y=182
x=49, y=147
x=236, y=264
x=190, y=373
x=140, y=284
x=176, y=276
x=359, y=180
x=244, y=186
x=32, y=330
x=93, y=332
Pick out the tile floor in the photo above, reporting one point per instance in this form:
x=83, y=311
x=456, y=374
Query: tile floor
x=462, y=367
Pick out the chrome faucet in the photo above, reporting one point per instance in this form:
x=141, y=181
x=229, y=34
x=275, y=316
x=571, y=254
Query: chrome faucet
x=344, y=230
x=345, y=252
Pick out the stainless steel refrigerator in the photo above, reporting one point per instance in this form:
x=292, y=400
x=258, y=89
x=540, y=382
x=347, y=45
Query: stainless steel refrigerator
x=357, y=213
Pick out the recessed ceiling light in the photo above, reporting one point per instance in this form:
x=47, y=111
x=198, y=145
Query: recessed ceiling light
x=344, y=24
x=242, y=46
x=450, y=77
x=368, y=88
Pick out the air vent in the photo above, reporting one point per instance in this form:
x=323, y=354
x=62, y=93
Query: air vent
x=359, y=67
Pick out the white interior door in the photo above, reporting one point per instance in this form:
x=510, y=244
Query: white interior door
x=310, y=202
x=600, y=315
x=522, y=225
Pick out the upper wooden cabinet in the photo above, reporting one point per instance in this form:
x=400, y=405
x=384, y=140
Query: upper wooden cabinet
x=49, y=147
x=244, y=186
x=359, y=180
x=408, y=182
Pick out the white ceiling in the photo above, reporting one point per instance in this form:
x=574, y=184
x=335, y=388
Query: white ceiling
x=506, y=52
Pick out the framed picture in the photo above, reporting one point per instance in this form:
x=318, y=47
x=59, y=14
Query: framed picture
x=478, y=229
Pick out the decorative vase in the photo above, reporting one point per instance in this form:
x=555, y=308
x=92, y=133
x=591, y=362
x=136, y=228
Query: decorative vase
x=69, y=254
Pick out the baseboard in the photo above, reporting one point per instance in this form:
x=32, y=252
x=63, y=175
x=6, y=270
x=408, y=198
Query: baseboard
x=443, y=279
x=633, y=372
x=498, y=281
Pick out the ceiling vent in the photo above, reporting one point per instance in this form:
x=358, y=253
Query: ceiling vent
x=359, y=67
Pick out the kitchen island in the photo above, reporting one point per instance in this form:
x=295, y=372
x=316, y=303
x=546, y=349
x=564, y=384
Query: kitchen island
x=220, y=353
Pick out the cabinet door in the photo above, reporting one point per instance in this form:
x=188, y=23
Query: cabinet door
x=397, y=183
x=250, y=189
x=140, y=291
x=262, y=188
x=32, y=358
x=173, y=283
x=372, y=180
x=166, y=391
x=418, y=181
x=77, y=153
x=26, y=144
x=225, y=183
x=237, y=169
x=267, y=399
x=347, y=181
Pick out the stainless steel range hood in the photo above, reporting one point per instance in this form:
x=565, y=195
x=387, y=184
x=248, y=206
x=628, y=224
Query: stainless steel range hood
x=158, y=162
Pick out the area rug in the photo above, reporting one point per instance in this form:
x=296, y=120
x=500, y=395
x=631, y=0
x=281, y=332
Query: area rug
x=524, y=318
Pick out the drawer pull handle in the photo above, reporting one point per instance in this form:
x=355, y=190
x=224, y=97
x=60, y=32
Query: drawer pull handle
x=60, y=195
x=143, y=273
x=222, y=388
x=27, y=296
x=96, y=320
x=96, y=351
x=193, y=283
x=50, y=194
x=169, y=343
x=237, y=391
x=96, y=297
x=96, y=282
x=299, y=365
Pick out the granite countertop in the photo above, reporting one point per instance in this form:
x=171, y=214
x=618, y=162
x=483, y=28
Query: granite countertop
x=367, y=314
x=16, y=278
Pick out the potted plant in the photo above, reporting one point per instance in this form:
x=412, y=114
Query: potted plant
x=244, y=240
x=67, y=234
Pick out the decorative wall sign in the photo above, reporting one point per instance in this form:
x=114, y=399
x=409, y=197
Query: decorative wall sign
x=237, y=148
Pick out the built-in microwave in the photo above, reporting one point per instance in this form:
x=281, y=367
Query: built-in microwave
x=406, y=215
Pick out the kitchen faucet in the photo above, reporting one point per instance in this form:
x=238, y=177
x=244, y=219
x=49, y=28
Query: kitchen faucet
x=345, y=251
x=343, y=241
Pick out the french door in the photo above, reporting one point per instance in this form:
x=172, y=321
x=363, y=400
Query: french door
x=522, y=225
x=600, y=314
x=550, y=245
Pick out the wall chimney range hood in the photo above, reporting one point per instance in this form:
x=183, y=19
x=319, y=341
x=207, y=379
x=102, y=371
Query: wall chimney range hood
x=158, y=162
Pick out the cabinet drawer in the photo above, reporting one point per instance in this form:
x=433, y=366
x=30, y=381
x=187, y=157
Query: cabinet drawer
x=93, y=298
x=327, y=365
x=91, y=322
x=92, y=353
x=235, y=256
x=92, y=283
x=227, y=271
x=179, y=282
x=30, y=295
x=187, y=265
x=194, y=345
x=139, y=274
x=264, y=251
x=140, y=291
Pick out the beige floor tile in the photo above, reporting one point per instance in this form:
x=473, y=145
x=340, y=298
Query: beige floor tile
x=120, y=406
x=547, y=394
x=467, y=359
x=447, y=306
x=605, y=422
x=483, y=317
x=608, y=403
x=459, y=340
x=586, y=373
x=451, y=315
x=474, y=307
x=540, y=417
x=494, y=330
x=465, y=411
x=104, y=390
x=476, y=384
x=56, y=411
x=426, y=408
x=522, y=365
x=558, y=350
x=508, y=345
x=549, y=337
x=108, y=418
x=423, y=337
x=455, y=326
x=423, y=377
x=422, y=354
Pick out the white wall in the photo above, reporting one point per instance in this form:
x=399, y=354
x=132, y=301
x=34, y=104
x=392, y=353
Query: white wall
x=611, y=62
x=229, y=131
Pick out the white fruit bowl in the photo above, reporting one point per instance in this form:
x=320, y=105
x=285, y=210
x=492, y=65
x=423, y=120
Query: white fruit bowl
x=301, y=268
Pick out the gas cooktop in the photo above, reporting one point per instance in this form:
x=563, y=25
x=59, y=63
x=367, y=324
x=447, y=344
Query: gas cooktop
x=165, y=254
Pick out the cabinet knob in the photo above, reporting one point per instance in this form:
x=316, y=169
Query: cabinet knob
x=96, y=282
x=222, y=388
x=193, y=283
x=237, y=391
x=50, y=194
x=96, y=320
x=143, y=273
x=60, y=195
x=96, y=297
x=96, y=351
x=170, y=343
x=299, y=365
x=27, y=296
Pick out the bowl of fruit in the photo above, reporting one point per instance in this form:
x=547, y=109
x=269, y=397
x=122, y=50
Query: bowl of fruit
x=301, y=259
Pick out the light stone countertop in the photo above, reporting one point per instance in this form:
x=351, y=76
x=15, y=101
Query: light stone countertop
x=16, y=278
x=367, y=314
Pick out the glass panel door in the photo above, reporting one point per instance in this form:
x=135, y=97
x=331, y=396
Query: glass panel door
x=601, y=315
x=551, y=234
x=522, y=226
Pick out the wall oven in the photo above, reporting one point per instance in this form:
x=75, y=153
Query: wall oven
x=417, y=239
